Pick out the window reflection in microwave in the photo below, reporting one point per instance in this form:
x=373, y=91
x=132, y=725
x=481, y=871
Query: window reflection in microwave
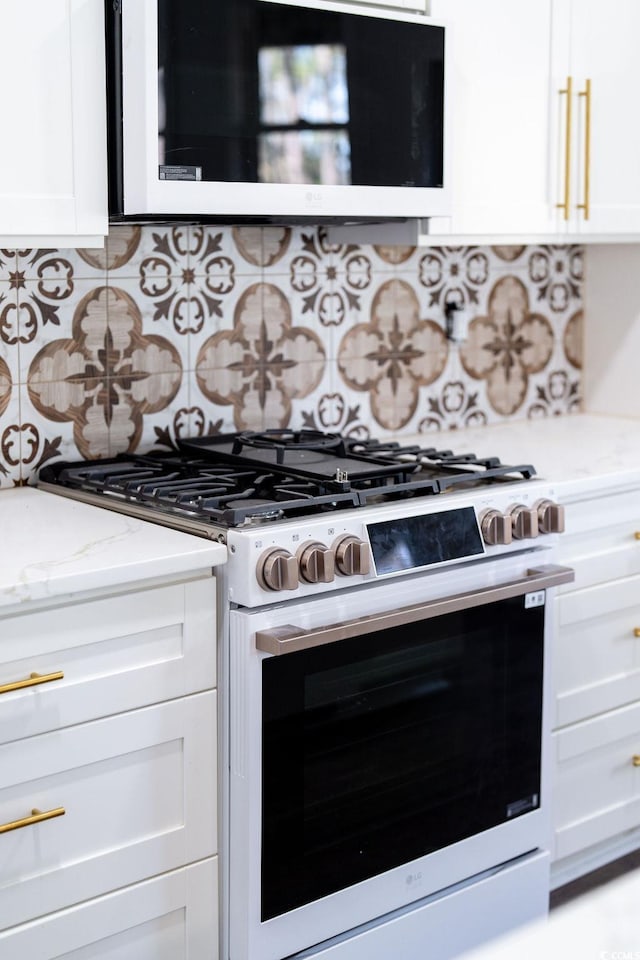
x=304, y=114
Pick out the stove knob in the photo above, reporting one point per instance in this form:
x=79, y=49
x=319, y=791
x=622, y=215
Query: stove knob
x=495, y=527
x=316, y=563
x=277, y=570
x=352, y=556
x=524, y=521
x=550, y=516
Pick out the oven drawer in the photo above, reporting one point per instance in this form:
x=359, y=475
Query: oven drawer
x=105, y=656
x=121, y=799
x=597, y=780
x=597, y=652
x=172, y=917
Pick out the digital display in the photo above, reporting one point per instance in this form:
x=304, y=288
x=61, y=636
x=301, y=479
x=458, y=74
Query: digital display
x=411, y=542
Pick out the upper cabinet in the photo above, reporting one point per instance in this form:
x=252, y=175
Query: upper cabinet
x=595, y=79
x=53, y=163
x=545, y=141
x=500, y=116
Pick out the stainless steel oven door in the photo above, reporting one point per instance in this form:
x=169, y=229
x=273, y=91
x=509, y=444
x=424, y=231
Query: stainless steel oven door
x=386, y=743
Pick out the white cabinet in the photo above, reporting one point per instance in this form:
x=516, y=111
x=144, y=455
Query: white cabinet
x=53, y=163
x=596, y=666
x=167, y=918
x=545, y=142
x=595, y=170
x=499, y=105
x=108, y=776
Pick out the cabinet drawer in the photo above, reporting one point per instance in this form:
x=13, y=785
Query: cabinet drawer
x=596, y=785
x=139, y=797
x=116, y=654
x=597, y=652
x=599, y=514
x=172, y=917
x=600, y=542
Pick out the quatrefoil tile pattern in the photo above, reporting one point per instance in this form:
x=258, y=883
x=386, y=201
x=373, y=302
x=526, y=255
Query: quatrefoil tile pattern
x=175, y=330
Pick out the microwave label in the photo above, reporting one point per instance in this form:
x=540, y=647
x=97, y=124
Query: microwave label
x=180, y=172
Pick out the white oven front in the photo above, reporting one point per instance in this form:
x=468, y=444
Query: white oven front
x=388, y=752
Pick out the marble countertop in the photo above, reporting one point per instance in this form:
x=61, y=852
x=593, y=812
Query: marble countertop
x=583, y=453
x=51, y=546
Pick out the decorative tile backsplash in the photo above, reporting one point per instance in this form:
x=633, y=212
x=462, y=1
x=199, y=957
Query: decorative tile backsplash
x=176, y=331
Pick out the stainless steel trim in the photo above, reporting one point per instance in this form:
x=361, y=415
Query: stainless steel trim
x=183, y=524
x=290, y=639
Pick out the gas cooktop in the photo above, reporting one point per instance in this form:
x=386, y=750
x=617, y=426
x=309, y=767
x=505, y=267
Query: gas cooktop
x=231, y=480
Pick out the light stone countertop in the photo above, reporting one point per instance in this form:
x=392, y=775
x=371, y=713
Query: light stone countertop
x=579, y=454
x=51, y=547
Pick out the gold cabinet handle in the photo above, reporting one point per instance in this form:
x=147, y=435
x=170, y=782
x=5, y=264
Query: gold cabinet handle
x=586, y=93
x=636, y=631
x=637, y=535
x=635, y=759
x=34, y=680
x=565, y=205
x=37, y=816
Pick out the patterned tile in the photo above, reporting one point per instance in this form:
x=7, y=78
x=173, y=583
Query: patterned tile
x=45, y=438
x=44, y=319
x=172, y=331
x=11, y=433
x=393, y=356
x=263, y=362
x=507, y=345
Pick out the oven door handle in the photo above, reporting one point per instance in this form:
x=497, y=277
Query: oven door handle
x=291, y=639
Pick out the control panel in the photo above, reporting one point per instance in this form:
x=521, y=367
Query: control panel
x=275, y=561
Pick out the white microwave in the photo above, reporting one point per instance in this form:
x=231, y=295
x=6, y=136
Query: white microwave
x=276, y=111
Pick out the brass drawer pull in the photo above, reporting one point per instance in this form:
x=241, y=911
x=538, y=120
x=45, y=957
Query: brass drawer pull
x=34, y=680
x=37, y=816
x=636, y=631
x=635, y=759
x=637, y=534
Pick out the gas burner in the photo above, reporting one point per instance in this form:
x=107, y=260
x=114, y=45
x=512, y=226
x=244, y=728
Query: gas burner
x=231, y=480
x=284, y=441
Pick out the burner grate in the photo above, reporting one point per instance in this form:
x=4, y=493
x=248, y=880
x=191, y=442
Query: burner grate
x=207, y=481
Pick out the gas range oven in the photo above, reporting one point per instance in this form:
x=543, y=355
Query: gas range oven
x=384, y=649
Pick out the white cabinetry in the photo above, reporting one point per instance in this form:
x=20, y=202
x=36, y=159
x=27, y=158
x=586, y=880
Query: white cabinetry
x=500, y=117
x=108, y=777
x=53, y=163
x=595, y=55
x=597, y=686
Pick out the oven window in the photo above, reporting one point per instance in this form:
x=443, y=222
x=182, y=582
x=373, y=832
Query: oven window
x=387, y=747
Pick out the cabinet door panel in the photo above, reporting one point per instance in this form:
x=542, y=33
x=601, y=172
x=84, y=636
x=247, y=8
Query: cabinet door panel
x=172, y=917
x=53, y=161
x=139, y=794
x=116, y=654
x=604, y=49
x=499, y=103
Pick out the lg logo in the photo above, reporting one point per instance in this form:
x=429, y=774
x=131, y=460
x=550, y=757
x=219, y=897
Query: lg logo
x=313, y=196
x=413, y=878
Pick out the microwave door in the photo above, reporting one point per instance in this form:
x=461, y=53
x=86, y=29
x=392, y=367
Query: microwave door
x=274, y=110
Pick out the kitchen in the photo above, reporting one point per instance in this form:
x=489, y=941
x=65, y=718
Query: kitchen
x=155, y=338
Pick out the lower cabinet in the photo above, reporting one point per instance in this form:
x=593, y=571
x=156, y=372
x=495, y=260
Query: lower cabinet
x=597, y=687
x=171, y=917
x=108, y=776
